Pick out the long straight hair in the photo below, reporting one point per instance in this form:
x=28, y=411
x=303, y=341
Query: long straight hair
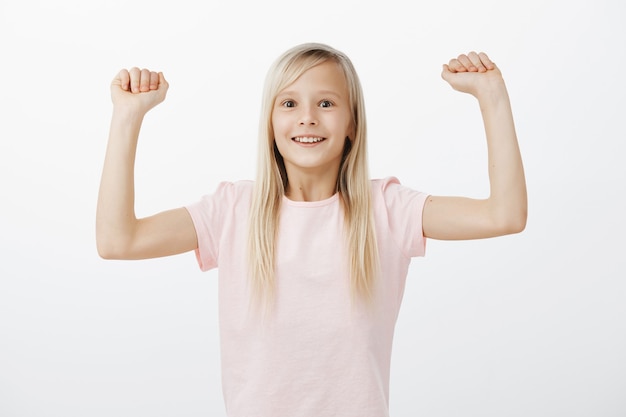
x=353, y=182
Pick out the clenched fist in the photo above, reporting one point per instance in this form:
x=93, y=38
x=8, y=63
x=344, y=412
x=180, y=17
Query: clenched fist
x=472, y=73
x=138, y=90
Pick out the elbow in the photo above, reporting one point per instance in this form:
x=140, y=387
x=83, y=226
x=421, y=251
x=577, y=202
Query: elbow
x=105, y=253
x=109, y=248
x=116, y=243
x=519, y=221
x=106, y=250
x=517, y=226
x=103, y=244
x=113, y=243
x=513, y=223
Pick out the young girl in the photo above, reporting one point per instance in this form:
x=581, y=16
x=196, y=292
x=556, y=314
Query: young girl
x=313, y=255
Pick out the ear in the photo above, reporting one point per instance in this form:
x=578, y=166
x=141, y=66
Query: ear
x=350, y=136
x=351, y=132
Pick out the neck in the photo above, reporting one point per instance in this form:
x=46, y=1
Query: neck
x=311, y=187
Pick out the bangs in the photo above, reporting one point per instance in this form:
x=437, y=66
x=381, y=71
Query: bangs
x=288, y=72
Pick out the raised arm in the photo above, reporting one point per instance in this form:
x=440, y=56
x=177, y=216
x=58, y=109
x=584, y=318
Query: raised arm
x=504, y=211
x=119, y=234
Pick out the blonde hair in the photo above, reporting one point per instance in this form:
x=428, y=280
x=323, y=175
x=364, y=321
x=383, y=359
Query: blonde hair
x=353, y=183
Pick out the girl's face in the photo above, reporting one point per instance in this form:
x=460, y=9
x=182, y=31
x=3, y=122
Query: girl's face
x=311, y=120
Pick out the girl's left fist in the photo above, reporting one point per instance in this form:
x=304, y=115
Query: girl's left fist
x=471, y=73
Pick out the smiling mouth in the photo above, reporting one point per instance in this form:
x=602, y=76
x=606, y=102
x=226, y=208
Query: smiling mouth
x=307, y=139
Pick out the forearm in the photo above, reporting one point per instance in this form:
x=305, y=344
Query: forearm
x=115, y=216
x=507, y=200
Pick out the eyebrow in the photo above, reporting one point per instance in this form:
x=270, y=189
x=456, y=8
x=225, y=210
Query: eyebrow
x=320, y=92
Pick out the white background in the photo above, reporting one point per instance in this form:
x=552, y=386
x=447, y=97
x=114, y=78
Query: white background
x=532, y=324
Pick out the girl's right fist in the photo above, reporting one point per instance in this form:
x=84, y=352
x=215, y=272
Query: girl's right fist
x=139, y=90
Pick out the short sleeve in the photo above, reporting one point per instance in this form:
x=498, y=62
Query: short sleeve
x=209, y=216
x=402, y=208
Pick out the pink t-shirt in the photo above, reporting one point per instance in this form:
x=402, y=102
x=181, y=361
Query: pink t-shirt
x=318, y=354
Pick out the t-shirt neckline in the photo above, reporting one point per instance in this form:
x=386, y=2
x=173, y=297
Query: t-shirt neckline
x=318, y=203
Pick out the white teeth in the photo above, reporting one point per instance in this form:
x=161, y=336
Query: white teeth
x=307, y=139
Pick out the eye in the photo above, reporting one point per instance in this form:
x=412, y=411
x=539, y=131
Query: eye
x=288, y=103
x=326, y=103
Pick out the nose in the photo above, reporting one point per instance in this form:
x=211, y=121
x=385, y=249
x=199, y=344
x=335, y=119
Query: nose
x=307, y=116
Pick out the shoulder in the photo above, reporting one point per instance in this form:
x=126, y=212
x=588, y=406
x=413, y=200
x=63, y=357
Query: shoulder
x=388, y=187
x=241, y=186
x=380, y=185
x=225, y=196
x=388, y=192
x=233, y=190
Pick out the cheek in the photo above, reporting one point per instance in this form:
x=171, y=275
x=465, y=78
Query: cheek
x=278, y=125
